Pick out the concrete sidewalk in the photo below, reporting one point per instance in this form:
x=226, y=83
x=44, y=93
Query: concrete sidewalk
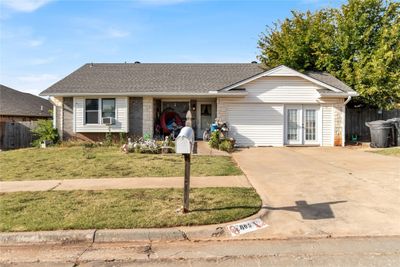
x=123, y=183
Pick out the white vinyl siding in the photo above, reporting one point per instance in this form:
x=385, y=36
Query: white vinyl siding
x=256, y=124
x=282, y=90
x=121, y=117
x=327, y=125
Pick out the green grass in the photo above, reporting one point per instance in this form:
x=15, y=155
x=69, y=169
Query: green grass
x=112, y=209
x=80, y=162
x=392, y=151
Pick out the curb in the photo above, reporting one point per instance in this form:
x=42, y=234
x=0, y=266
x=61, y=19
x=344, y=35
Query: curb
x=61, y=236
x=192, y=233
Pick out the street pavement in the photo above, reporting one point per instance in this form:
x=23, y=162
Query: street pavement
x=378, y=251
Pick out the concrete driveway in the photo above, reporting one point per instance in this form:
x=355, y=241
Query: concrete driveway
x=314, y=192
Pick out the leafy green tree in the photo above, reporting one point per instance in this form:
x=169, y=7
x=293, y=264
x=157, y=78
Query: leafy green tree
x=44, y=131
x=358, y=43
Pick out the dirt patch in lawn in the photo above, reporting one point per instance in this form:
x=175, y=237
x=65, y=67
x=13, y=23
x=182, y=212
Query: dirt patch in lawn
x=103, y=162
x=111, y=209
x=392, y=151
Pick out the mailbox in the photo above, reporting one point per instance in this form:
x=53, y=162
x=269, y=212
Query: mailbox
x=185, y=141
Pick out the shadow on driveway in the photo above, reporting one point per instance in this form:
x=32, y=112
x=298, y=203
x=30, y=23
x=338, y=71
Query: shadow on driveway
x=315, y=211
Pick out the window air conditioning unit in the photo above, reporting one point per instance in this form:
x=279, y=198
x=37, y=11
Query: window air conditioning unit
x=108, y=121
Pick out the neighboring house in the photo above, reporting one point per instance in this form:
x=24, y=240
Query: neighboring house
x=273, y=107
x=18, y=113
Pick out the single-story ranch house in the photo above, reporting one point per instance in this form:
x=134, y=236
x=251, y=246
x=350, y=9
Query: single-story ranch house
x=274, y=107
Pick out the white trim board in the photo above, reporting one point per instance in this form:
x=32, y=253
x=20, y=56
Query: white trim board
x=282, y=71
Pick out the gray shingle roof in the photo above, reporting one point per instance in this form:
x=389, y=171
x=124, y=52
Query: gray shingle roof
x=125, y=78
x=330, y=80
x=16, y=103
x=153, y=78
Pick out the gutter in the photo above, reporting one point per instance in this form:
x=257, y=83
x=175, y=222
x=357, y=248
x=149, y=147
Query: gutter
x=347, y=100
x=157, y=94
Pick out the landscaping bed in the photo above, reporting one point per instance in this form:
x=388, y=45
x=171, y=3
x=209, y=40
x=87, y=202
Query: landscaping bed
x=102, y=162
x=114, y=209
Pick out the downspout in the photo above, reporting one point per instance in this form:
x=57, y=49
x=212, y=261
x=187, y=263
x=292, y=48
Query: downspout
x=347, y=100
x=344, y=119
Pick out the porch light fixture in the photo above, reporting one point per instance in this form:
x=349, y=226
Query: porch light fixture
x=194, y=107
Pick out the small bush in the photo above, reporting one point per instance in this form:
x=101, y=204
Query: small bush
x=226, y=145
x=44, y=131
x=214, y=139
x=108, y=140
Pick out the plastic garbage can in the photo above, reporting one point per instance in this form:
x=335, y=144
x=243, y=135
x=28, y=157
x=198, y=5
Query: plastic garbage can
x=379, y=133
x=395, y=122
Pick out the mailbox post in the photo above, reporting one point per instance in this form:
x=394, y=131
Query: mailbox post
x=184, y=145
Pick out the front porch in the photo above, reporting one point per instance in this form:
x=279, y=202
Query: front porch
x=164, y=116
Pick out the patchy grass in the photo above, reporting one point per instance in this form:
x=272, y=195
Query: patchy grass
x=391, y=151
x=111, y=209
x=81, y=162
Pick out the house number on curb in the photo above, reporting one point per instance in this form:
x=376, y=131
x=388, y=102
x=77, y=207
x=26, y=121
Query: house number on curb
x=246, y=227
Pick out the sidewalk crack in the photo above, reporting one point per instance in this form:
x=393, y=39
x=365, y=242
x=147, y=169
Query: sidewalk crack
x=54, y=187
x=77, y=262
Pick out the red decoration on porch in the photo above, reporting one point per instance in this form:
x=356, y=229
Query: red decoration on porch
x=167, y=119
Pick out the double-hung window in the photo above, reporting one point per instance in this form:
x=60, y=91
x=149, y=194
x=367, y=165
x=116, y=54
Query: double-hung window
x=95, y=109
x=92, y=111
x=108, y=107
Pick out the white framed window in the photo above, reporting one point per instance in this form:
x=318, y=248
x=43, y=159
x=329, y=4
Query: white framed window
x=108, y=107
x=92, y=111
x=98, y=108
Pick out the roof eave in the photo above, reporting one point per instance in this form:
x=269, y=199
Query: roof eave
x=158, y=94
x=330, y=95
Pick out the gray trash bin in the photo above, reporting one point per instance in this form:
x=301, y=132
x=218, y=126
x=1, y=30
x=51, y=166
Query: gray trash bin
x=379, y=133
x=395, y=122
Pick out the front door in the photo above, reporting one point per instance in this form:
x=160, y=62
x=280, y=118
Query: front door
x=205, y=115
x=301, y=125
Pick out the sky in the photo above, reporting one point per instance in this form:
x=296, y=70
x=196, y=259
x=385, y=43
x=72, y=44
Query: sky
x=42, y=41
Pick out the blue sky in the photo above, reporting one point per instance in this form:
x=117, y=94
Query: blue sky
x=42, y=41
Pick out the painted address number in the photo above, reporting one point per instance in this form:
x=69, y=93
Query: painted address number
x=246, y=227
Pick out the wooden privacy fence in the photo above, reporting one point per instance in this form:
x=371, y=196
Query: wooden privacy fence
x=356, y=119
x=16, y=134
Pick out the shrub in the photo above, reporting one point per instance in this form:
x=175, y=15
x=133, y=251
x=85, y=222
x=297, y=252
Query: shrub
x=214, y=139
x=44, y=131
x=108, y=140
x=226, y=145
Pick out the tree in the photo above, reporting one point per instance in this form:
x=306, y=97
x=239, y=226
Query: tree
x=44, y=131
x=358, y=43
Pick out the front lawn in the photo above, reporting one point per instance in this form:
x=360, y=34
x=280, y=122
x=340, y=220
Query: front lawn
x=391, y=151
x=81, y=162
x=134, y=208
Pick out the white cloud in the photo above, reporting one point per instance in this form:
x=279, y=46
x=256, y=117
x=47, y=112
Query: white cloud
x=115, y=33
x=38, y=78
x=25, y=5
x=41, y=61
x=30, y=83
x=35, y=42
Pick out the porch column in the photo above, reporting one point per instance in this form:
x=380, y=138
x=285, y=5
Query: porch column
x=148, y=115
x=338, y=120
x=58, y=114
